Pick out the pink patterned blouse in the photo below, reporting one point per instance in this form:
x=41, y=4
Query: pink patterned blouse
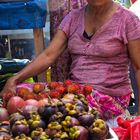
x=103, y=60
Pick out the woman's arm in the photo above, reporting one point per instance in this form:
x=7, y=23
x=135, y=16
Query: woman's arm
x=134, y=53
x=41, y=63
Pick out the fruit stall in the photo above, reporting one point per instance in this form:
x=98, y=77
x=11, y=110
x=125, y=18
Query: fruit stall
x=51, y=111
x=55, y=110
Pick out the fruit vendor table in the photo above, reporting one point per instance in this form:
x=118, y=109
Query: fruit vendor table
x=25, y=14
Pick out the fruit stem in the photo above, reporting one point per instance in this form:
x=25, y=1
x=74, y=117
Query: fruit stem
x=49, y=99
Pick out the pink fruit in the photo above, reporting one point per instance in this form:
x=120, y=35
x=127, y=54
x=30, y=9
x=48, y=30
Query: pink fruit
x=43, y=102
x=31, y=102
x=14, y=104
x=4, y=116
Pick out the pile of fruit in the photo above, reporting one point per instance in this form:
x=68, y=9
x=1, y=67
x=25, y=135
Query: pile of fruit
x=54, y=111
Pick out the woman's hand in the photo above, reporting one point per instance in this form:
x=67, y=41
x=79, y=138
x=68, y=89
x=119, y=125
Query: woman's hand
x=40, y=64
x=10, y=86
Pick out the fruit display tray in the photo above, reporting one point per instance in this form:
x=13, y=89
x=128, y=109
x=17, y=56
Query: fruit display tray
x=113, y=136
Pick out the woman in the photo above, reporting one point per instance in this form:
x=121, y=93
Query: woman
x=102, y=38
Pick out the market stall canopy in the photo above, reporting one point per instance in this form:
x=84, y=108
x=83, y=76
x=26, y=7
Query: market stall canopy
x=136, y=8
x=24, y=14
x=13, y=1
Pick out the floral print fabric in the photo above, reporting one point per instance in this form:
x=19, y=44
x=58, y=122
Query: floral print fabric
x=109, y=107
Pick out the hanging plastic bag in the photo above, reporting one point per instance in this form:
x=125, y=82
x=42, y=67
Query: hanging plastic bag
x=128, y=129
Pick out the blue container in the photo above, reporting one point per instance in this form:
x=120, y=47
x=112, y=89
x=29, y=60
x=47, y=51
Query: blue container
x=23, y=15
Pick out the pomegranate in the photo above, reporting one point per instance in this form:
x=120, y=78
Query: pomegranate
x=32, y=102
x=4, y=116
x=14, y=104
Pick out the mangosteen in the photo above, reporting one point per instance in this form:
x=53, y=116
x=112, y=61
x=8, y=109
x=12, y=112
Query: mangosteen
x=4, y=133
x=58, y=117
x=53, y=129
x=61, y=136
x=35, y=121
x=80, y=107
x=5, y=124
x=99, y=130
x=20, y=127
x=47, y=111
x=27, y=110
x=97, y=114
x=39, y=134
x=61, y=139
x=51, y=132
x=83, y=102
x=22, y=137
x=71, y=110
x=86, y=119
x=69, y=122
x=15, y=117
x=78, y=133
x=61, y=107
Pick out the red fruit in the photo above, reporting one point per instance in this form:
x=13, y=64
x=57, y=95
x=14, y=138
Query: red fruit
x=21, y=91
x=41, y=96
x=14, y=104
x=78, y=87
x=80, y=92
x=72, y=88
x=7, y=96
x=53, y=85
x=54, y=94
x=127, y=123
x=87, y=90
x=31, y=102
x=43, y=102
x=38, y=87
x=61, y=89
x=29, y=96
x=4, y=116
x=120, y=121
x=67, y=82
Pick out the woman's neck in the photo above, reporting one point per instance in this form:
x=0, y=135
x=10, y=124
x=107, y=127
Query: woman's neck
x=99, y=7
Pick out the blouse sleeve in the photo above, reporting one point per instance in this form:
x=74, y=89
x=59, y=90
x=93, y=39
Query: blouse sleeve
x=132, y=28
x=65, y=24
